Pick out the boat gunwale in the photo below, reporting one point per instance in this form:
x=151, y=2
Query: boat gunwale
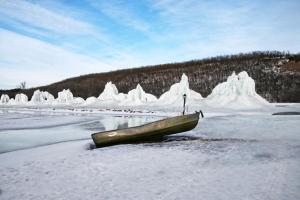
x=134, y=139
x=105, y=132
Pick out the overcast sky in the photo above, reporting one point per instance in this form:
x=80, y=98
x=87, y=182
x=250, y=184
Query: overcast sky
x=46, y=41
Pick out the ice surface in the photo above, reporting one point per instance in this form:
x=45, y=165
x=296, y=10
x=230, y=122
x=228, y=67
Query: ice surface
x=20, y=120
x=23, y=129
x=227, y=156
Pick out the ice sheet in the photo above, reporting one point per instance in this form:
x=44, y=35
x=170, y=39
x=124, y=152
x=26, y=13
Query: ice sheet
x=27, y=129
x=227, y=156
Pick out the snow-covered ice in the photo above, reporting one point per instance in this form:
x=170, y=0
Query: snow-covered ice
x=229, y=155
x=55, y=126
x=238, y=151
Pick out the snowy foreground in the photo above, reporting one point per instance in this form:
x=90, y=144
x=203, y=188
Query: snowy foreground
x=229, y=155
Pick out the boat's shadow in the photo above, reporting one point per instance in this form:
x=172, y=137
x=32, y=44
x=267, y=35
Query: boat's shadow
x=182, y=138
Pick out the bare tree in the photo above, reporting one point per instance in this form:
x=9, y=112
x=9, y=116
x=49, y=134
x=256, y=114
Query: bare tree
x=22, y=85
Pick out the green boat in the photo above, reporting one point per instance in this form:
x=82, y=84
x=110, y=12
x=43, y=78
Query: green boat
x=148, y=131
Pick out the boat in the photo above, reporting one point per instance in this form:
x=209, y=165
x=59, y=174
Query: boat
x=149, y=131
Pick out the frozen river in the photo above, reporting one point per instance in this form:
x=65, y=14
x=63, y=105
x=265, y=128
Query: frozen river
x=31, y=128
x=227, y=156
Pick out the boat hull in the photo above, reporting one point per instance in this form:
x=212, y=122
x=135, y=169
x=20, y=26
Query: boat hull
x=146, y=132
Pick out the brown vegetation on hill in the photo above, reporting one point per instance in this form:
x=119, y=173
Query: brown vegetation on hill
x=276, y=74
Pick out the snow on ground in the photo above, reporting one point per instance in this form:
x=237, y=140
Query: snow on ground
x=229, y=155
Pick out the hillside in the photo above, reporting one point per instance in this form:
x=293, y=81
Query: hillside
x=277, y=77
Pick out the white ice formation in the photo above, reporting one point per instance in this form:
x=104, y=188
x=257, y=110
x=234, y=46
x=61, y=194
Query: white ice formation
x=237, y=92
x=41, y=97
x=138, y=96
x=4, y=99
x=109, y=93
x=78, y=101
x=91, y=100
x=174, y=96
x=21, y=99
x=64, y=97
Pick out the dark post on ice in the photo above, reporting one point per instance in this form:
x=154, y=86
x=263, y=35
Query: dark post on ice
x=184, y=99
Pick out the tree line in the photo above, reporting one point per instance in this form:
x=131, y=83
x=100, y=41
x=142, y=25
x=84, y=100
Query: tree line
x=277, y=76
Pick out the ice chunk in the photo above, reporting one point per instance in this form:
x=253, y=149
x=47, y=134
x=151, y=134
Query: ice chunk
x=78, y=100
x=21, y=98
x=65, y=97
x=109, y=93
x=237, y=92
x=138, y=96
x=121, y=97
x=41, y=97
x=175, y=95
x=4, y=99
x=91, y=100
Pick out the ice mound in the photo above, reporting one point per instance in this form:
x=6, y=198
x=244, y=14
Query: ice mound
x=91, y=100
x=175, y=95
x=4, y=99
x=78, y=100
x=21, y=99
x=237, y=92
x=138, y=96
x=109, y=93
x=41, y=97
x=64, y=97
x=121, y=97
